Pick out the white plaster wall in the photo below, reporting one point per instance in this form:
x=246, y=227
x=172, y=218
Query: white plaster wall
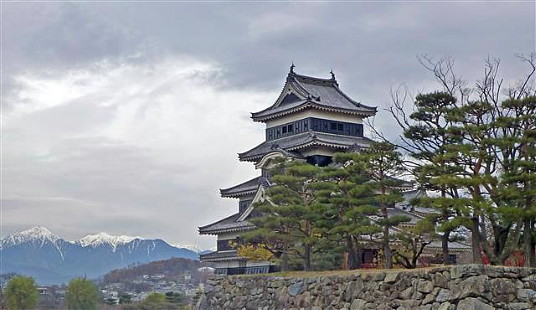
x=255, y=264
x=317, y=151
x=227, y=236
x=229, y=264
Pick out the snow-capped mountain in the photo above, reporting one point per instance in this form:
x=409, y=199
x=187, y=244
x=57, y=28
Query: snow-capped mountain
x=50, y=259
x=104, y=239
x=37, y=234
x=190, y=247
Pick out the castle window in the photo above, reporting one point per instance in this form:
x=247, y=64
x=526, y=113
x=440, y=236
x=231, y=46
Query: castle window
x=284, y=129
x=340, y=127
x=333, y=126
x=290, y=128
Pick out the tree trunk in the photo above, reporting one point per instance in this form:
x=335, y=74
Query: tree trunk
x=445, y=247
x=359, y=255
x=387, y=253
x=284, y=262
x=353, y=260
x=307, y=258
x=529, y=244
x=532, y=257
x=475, y=235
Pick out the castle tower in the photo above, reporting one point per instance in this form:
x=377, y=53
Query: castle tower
x=311, y=120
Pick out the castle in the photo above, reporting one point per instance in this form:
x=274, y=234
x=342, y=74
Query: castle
x=311, y=120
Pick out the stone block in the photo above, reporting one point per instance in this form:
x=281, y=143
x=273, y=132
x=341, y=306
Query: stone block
x=526, y=295
x=444, y=306
x=391, y=277
x=379, y=276
x=295, y=288
x=443, y=295
x=429, y=298
x=358, y=304
x=303, y=300
x=464, y=271
x=470, y=287
x=471, y=303
x=440, y=280
x=519, y=306
x=425, y=286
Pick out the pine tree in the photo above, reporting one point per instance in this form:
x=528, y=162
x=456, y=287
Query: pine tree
x=491, y=166
x=428, y=133
x=348, y=199
x=384, y=165
x=290, y=214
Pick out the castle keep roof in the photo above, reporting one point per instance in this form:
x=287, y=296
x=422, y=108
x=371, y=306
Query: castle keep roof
x=303, y=140
x=248, y=187
x=303, y=92
x=228, y=224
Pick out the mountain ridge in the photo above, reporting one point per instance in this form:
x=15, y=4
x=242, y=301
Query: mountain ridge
x=50, y=259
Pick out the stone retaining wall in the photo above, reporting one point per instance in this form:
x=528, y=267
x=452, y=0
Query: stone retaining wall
x=467, y=287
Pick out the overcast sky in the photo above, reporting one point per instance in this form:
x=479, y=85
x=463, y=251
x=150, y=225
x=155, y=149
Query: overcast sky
x=127, y=117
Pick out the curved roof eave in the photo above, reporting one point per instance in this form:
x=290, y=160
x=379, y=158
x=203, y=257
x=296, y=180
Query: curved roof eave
x=312, y=105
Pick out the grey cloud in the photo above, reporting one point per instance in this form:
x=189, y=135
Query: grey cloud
x=146, y=154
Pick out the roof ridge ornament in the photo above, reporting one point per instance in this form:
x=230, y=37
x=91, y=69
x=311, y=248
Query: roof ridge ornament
x=333, y=77
x=291, y=73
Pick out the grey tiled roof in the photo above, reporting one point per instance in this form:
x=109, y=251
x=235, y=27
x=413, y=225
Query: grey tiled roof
x=228, y=224
x=248, y=187
x=317, y=93
x=395, y=211
x=452, y=245
x=299, y=141
x=219, y=256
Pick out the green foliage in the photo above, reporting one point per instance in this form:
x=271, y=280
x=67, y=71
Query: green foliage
x=314, y=214
x=157, y=301
x=289, y=221
x=21, y=293
x=82, y=294
x=383, y=164
x=412, y=242
x=155, y=298
x=174, y=298
x=476, y=148
x=348, y=202
x=125, y=298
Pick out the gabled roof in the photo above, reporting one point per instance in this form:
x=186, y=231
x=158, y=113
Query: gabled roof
x=296, y=142
x=305, y=92
x=248, y=187
x=228, y=224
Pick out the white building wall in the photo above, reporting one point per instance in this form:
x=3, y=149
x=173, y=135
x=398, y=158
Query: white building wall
x=228, y=236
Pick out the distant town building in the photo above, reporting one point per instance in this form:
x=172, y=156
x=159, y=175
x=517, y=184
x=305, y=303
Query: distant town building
x=311, y=120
